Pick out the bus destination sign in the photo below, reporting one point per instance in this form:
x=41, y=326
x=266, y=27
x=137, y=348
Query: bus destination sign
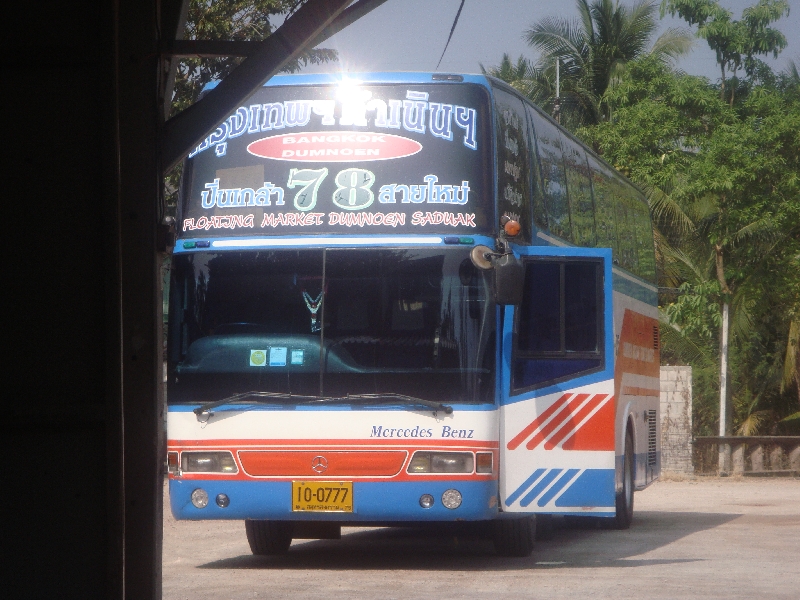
x=333, y=159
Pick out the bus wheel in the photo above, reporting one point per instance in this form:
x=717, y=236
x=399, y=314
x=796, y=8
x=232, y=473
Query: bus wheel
x=514, y=537
x=624, y=503
x=268, y=537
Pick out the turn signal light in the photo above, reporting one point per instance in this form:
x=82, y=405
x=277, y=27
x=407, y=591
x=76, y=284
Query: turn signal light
x=483, y=462
x=512, y=228
x=172, y=462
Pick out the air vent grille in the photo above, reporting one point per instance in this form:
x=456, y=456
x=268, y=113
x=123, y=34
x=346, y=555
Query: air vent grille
x=651, y=437
x=655, y=337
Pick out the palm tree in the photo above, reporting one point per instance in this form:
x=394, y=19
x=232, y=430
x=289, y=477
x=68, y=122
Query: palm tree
x=520, y=75
x=593, y=50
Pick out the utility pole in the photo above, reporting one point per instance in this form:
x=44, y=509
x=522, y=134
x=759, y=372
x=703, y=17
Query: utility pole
x=557, y=102
x=724, y=404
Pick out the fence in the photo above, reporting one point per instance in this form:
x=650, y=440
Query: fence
x=748, y=455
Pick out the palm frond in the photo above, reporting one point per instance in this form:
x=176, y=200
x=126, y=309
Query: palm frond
x=672, y=44
x=667, y=212
x=791, y=362
x=754, y=422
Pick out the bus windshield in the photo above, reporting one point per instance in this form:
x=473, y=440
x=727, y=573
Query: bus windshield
x=332, y=322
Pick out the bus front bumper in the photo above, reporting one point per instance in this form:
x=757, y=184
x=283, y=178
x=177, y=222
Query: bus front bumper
x=372, y=501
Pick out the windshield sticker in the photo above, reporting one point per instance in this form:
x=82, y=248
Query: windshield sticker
x=413, y=113
x=298, y=357
x=258, y=358
x=277, y=357
x=334, y=146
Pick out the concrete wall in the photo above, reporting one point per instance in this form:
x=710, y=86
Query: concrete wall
x=676, y=420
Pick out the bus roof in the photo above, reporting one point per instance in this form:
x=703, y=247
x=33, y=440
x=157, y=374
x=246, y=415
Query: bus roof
x=385, y=77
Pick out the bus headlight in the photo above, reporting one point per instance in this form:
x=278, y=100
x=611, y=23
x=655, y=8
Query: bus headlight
x=441, y=462
x=207, y=462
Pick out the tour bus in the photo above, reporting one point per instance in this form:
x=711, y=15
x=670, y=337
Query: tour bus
x=405, y=298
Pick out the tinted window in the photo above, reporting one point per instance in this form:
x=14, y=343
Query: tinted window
x=580, y=193
x=513, y=162
x=644, y=239
x=559, y=323
x=336, y=322
x=626, y=249
x=539, y=213
x=548, y=143
x=603, y=189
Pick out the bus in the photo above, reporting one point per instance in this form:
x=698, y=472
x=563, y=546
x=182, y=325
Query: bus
x=405, y=298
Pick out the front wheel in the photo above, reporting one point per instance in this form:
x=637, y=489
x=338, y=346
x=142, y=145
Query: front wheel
x=514, y=537
x=268, y=537
x=624, y=501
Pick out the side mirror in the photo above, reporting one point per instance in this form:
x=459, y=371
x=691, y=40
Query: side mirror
x=509, y=278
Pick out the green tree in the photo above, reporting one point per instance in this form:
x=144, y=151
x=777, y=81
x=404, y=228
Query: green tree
x=723, y=187
x=736, y=43
x=237, y=20
x=593, y=50
x=232, y=20
x=521, y=75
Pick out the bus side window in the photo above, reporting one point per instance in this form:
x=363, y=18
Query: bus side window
x=580, y=194
x=537, y=186
x=604, y=205
x=513, y=180
x=644, y=239
x=548, y=143
x=559, y=324
x=626, y=232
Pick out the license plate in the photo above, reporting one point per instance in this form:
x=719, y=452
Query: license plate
x=322, y=496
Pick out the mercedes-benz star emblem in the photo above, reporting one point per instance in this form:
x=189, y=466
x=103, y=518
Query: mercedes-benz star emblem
x=319, y=464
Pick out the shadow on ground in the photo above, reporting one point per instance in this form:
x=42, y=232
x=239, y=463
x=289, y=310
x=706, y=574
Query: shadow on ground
x=573, y=544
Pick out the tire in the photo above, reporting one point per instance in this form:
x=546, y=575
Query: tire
x=268, y=538
x=514, y=537
x=624, y=500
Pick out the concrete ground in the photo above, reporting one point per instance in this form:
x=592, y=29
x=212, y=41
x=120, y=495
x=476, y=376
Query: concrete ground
x=696, y=538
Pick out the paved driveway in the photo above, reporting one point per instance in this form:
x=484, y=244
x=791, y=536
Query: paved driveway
x=705, y=538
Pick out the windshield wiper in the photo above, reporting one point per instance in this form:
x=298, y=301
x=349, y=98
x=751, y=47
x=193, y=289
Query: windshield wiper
x=205, y=409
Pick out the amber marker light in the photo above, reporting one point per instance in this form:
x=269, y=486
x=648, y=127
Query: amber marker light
x=512, y=228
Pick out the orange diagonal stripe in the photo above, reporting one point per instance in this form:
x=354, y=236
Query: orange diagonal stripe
x=557, y=420
x=520, y=437
x=572, y=423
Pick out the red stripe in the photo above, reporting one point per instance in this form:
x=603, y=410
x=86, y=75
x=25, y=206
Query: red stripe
x=540, y=437
x=573, y=422
x=520, y=437
x=335, y=444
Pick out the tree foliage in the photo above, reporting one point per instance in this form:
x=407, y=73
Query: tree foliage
x=592, y=52
x=724, y=187
x=236, y=20
x=736, y=43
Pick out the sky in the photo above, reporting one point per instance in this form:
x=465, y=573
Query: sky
x=410, y=35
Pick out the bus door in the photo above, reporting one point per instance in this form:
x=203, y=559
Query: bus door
x=557, y=406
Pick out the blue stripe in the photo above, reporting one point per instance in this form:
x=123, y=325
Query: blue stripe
x=635, y=290
x=528, y=482
x=557, y=486
x=594, y=487
x=539, y=487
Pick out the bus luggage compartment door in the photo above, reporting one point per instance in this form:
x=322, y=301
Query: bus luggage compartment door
x=557, y=413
